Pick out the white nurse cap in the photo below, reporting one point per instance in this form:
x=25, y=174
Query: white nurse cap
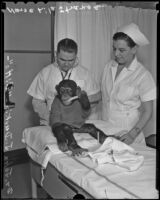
x=133, y=31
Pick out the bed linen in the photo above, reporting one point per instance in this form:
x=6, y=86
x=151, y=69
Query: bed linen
x=101, y=181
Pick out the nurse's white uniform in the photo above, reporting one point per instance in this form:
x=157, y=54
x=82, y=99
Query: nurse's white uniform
x=122, y=97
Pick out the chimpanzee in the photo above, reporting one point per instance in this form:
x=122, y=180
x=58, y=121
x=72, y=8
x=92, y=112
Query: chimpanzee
x=69, y=111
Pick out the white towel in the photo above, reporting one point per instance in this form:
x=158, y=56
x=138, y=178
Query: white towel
x=91, y=180
x=112, y=151
x=41, y=140
x=116, y=152
x=44, y=157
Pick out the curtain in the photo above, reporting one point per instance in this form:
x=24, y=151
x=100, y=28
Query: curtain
x=92, y=27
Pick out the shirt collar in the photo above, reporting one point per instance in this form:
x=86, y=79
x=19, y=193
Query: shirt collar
x=132, y=66
x=56, y=65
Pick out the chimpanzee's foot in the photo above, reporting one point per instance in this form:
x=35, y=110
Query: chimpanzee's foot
x=101, y=138
x=77, y=151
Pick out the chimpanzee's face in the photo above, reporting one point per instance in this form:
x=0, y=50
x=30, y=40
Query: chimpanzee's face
x=66, y=89
x=66, y=93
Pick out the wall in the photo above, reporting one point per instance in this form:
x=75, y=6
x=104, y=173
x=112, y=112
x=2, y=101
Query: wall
x=24, y=32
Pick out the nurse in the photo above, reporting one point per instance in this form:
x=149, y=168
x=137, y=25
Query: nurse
x=126, y=83
x=66, y=66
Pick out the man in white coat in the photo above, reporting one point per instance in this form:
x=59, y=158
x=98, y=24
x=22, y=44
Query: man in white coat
x=66, y=66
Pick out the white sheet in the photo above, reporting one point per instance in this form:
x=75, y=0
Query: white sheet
x=101, y=181
x=118, y=153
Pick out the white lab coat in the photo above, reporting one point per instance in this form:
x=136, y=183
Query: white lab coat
x=43, y=85
x=122, y=97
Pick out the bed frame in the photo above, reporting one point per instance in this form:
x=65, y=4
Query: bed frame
x=55, y=184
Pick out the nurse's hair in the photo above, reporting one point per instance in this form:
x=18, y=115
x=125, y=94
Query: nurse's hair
x=125, y=37
x=67, y=45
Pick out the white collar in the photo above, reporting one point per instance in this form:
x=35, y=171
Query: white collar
x=131, y=67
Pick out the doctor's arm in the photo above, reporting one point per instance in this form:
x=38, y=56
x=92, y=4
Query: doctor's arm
x=146, y=113
x=40, y=107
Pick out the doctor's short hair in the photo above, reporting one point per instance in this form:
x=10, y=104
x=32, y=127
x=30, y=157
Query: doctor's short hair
x=125, y=37
x=67, y=45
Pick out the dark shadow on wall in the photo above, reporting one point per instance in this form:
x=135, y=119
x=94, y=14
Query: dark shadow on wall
x=33, y=118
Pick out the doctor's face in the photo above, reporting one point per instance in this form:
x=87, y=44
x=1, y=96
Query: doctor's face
x=66, y=60
x=123, y=53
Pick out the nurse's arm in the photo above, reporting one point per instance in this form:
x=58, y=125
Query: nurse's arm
x=40, y=107
x=146, y=114
x=94, y=99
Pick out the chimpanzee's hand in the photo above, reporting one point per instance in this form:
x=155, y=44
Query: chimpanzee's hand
x=63, y=146
x=78, y=92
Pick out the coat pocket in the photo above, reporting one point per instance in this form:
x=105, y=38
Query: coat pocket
x=125, y=92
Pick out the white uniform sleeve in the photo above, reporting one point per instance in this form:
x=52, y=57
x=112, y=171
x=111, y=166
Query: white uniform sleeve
x=147, y=87
x=37, y=87
x=40, y=107
x=92, y=86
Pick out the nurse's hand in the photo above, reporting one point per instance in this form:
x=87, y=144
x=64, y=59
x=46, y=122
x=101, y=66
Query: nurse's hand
x=130, y=136
x=127, y=138
x=120, y=134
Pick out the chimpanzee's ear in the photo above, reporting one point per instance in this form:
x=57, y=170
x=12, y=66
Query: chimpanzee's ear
x=57, y=89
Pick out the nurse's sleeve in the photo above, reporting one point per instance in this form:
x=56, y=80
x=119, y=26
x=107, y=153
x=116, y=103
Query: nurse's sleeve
x=37, y=87
x=147, y=87
x=92, y=88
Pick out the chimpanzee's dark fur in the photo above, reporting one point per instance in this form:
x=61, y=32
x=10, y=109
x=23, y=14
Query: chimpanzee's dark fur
x=63, y=131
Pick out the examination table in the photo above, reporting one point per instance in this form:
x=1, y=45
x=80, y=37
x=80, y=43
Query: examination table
x=64, y=176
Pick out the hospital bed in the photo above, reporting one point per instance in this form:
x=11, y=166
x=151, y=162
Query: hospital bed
x=64, y=176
